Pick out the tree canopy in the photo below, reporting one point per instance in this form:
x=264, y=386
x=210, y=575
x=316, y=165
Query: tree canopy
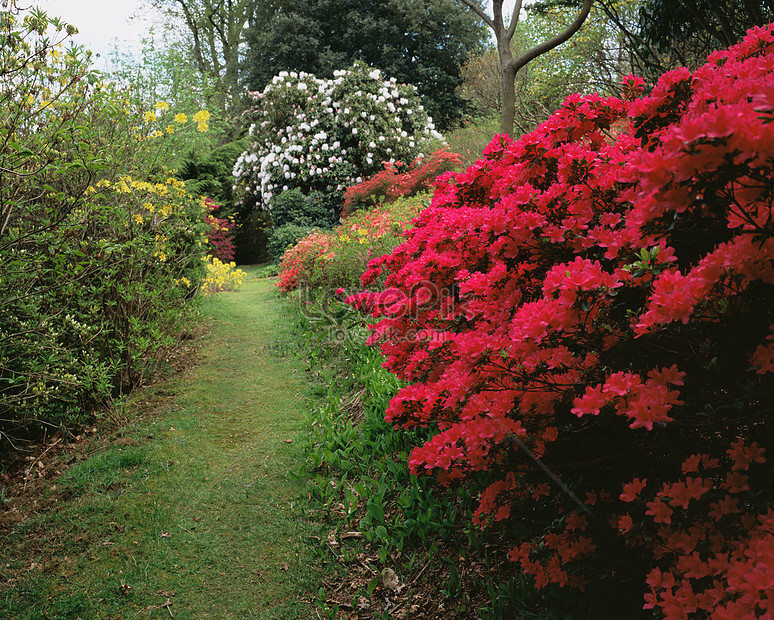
x=216, y=30
x=669, y=33
x=705, y=24
x=423, y=43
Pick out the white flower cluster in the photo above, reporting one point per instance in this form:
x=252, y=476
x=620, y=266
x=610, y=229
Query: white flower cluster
x=325, y=135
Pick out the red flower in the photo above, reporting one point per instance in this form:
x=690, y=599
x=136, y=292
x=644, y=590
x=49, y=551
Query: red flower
x=660, y=512
x=632, y=490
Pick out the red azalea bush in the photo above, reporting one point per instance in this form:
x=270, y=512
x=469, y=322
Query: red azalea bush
x=297, y=263
x=336, y=258
x=392, y=183
x=220, y=236
x=586, y=315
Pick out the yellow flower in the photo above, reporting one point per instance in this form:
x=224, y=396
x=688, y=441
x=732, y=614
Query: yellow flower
x=170, y=129
x=201, y=118
x=138, y=218
x=162, y=105
x=149, y=117
x=181, y=118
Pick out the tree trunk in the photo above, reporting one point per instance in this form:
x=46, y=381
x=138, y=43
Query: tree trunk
x=510, y=66
x=508, y=92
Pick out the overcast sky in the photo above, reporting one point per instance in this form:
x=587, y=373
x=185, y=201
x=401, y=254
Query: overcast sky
x=101, y=22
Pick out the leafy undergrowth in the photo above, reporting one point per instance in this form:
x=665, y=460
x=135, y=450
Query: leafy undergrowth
x=197, y=510
x=403, y=545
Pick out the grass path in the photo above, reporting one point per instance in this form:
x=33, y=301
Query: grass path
x=201, y=509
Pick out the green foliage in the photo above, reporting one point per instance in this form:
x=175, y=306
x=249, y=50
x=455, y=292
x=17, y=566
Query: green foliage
x=98, y=261
x=688, y=32
x=362, y=481
x=207, y=172
x=283, y=237
x=471, y=136
x=420, y=43
x=593, y=60
x=293, y=207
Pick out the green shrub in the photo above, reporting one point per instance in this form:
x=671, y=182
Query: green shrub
x=283, y=237
x=101, y=250
x=208, y=173
x=294, y=207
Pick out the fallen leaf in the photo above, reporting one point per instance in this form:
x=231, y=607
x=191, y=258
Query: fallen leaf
x=285, y=566
x=288, y=441
x=390, y=579
x=166, y=535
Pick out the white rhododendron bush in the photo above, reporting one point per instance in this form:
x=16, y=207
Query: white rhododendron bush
x=324, y=135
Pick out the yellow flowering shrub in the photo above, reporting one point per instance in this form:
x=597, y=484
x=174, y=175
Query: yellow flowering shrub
x=221, y=276
x=201, y=118
x=96, y=285
x=157, y=121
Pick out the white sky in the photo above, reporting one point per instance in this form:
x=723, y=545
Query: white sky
x=101, y=23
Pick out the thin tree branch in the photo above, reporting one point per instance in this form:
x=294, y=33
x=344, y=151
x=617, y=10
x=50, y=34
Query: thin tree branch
x=514, y=20
x=556, y=41
x=480, y=12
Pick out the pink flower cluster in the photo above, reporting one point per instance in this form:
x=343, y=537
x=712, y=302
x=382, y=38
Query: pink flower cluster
x=613, y=270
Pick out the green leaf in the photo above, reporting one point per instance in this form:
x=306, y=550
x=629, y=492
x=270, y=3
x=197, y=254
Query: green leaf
x=375, y=511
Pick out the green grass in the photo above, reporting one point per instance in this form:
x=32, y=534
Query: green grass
x=205, y=505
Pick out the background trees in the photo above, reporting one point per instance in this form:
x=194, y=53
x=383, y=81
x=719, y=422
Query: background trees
x=419, y=43
x=217, y=34
x=659, y=35
x=511, y=64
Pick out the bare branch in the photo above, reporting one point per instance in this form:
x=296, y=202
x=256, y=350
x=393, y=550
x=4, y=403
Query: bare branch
x=514, y=21
x=480, y=12
x=556, y=41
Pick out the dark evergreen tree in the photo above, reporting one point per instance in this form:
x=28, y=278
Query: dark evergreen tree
x=699, y=26
x=419, y=42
